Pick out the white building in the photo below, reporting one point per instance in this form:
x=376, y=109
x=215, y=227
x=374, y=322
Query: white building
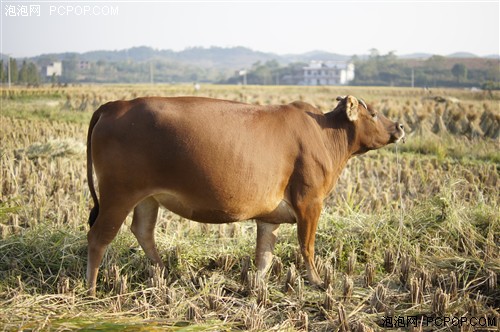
x=328, y=73
x=54, y=69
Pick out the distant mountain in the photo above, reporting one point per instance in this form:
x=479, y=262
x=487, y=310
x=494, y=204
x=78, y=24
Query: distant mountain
x=456, y=55
x=219, y=57
x=232, y=58
x=462, y=55
x=415, y=56
x=212, y=57
x=141, y=53
x=317, y=55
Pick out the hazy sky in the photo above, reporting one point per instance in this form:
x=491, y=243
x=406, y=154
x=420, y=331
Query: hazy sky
x=347, y=27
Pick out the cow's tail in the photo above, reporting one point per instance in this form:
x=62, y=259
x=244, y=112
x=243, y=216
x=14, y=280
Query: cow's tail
x=95, y=210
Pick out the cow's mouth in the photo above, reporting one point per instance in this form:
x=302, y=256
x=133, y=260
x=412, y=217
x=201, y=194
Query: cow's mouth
x=399, y=136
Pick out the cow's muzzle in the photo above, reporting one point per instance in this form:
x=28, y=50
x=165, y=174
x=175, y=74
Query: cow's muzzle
x=400, y=133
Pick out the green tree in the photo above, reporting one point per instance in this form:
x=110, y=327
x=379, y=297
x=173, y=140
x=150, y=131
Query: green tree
x=263, y=73
x=374, y=53
x=435, y=69
x=23, y=73
x=2, y=72
x=459, y=70
x=436, y=62
x=14, y=73
x=69, y=73
x=390, y=58
x=33, y=74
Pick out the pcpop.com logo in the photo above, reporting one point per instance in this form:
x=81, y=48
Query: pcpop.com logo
x=85, y=10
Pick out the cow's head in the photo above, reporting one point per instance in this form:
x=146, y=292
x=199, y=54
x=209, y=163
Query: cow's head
x=370, y=129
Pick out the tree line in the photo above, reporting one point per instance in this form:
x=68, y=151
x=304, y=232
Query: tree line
x=372, y=70
x=389, y=70
x=27, y=73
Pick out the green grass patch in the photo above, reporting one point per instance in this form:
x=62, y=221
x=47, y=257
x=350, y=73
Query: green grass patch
x=50, y=110
x=453, y=148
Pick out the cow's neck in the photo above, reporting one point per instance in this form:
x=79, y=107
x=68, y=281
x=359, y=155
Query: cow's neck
x=338, y=142
x=339, y=136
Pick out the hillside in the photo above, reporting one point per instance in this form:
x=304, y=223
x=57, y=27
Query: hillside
x=219, y=57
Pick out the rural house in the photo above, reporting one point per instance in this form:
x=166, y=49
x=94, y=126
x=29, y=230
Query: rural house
x=328, y=73
x=54, y=69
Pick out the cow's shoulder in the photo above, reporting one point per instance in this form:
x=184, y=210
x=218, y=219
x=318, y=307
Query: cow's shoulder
x=303, y=106
x=306, y=114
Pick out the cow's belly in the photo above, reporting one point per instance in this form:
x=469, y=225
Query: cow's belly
x=281, y=213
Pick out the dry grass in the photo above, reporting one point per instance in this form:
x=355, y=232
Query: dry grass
x=439, y=257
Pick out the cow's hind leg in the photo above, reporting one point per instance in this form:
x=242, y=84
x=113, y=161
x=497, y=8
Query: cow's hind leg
x=143, y=226
x=267, y=235
x=111, y=216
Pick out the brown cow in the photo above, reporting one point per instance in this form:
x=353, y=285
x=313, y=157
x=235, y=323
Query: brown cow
x=217, y=161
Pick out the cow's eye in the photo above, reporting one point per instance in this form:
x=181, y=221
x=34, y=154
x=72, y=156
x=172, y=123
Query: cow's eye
x=374, y=116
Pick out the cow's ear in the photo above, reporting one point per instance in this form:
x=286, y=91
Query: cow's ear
x=351, y=108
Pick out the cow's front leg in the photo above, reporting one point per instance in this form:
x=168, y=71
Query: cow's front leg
x=307, y=223
x=267, y=235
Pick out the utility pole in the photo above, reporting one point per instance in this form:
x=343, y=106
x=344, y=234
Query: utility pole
x=8, y=70
x=151, y=73
x=243, y=73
